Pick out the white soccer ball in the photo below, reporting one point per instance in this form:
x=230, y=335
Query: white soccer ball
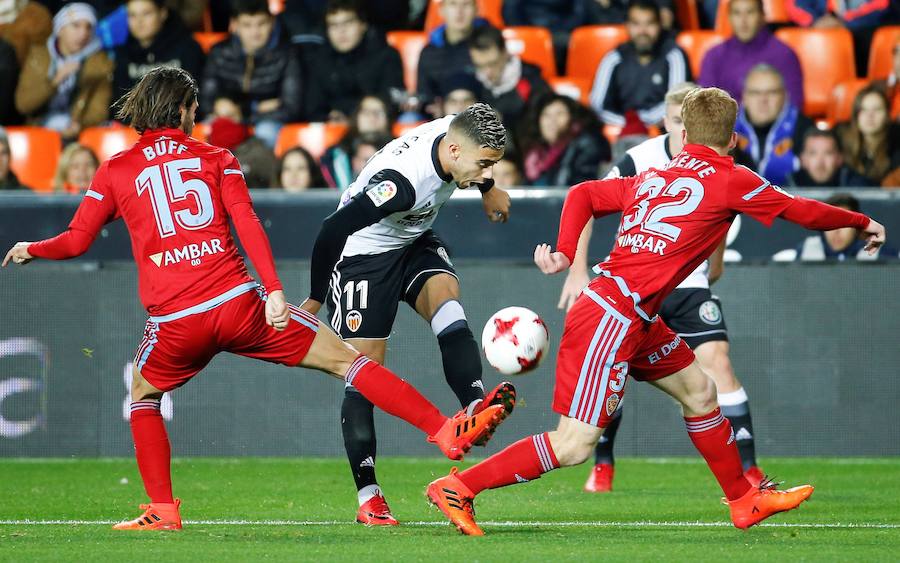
x=515, y=340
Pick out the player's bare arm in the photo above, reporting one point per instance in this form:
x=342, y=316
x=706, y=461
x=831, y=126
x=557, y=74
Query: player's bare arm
x=277, y=313
x=875, y=235
x=18, y=254
x=717, y=262
x=578, y=277
x=496, y=204
x=819, y=216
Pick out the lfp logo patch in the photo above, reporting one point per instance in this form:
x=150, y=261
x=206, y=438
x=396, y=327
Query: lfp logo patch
x=354, y=320
x=382, y=193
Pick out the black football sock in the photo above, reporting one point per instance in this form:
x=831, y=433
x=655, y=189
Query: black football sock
x=462, y=363
x=358, y=427
x=742, y=424
x=604, y=451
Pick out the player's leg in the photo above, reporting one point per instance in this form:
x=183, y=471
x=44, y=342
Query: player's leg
x=590, y=382
x=361, y=445
x=600, y=479
x=713, y=437
x=438, y=303
x=169, y=355
x=432, y=289
x=714, y=359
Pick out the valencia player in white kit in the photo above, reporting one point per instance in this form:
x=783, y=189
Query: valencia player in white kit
x=672, y=220
x=378, y=249
x=178, y=198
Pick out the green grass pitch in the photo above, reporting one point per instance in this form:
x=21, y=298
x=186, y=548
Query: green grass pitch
x=302, y=509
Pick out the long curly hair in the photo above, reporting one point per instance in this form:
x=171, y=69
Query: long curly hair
x=582, y=119
x=870, y=157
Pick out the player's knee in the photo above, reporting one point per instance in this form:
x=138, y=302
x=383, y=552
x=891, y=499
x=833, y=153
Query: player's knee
x=703, y=398
x=570, y=449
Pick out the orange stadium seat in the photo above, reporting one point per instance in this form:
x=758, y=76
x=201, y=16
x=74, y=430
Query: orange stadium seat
x=314, y=137
x=491, y=10
x=588, y=44
x=533, y=45
x=107, y=141
x=276, y=6
x=409, y=44
x=840, y=103
x=200, y=132
x=207, y=39
x=687, y=15
x=399, y=129
x=775, y=10
x=881, y=52
x=696, y=43
x=573, y=87
x=34, y=153
x=826, y=58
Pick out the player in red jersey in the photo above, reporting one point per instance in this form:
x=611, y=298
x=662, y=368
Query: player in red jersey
x=176, y=196
x=672, y=220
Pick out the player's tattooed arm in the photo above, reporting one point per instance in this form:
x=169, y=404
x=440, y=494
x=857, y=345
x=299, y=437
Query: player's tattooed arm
x=496, y=204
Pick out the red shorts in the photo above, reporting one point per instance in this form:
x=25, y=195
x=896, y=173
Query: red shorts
x=175, y=350
x=603, y=342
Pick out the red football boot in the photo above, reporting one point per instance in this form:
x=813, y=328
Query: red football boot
x=375, y=512
x=601, y=478
x=503, y=395
x=156, y=516
x=761, y=502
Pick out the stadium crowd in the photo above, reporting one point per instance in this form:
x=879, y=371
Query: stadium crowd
x=304, y=92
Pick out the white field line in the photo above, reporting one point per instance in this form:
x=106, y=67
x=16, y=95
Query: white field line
x=497, y=524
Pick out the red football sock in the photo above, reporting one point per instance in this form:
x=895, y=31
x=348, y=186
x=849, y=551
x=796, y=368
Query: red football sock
x=151, y=448
x=394, y=395
x=523, y=461
x=714, y=439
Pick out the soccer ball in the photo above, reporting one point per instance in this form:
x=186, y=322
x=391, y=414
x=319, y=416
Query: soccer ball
x=515, y=340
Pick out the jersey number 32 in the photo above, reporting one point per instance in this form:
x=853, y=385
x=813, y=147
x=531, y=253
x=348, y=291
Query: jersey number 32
x=653, y=219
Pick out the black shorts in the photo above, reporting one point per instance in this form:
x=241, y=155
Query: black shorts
x=366, y=289
x=695, y=315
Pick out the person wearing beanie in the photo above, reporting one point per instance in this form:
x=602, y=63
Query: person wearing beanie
x=65, y=84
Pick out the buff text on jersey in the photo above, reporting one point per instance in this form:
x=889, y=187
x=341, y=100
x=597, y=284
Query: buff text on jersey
x=163, y=147
x=193, y=252
x=700, y=166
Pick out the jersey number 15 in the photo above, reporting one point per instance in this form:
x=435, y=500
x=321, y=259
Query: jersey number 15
x=166, y=185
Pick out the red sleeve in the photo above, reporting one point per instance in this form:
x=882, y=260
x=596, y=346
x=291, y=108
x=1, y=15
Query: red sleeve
x=96, y=209
x=753, y=195
x=820, y=216
x=593, y=198
x=239, y=206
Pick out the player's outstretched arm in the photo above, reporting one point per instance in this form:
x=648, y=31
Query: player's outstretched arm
x=550, y=262
x=820, y=216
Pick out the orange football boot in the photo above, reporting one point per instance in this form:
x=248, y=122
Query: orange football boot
x=456, y=501
x=504, y=395
x=156, y=516
x=375, y=512
x=761, y=502
x=457, y=435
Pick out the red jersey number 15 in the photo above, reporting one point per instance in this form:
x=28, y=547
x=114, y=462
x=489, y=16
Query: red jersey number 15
x=166, y=185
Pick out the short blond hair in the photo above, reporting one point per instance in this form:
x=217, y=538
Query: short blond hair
x=675, y=96
x=709, y=115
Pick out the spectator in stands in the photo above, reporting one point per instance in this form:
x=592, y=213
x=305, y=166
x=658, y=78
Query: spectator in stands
x=839, y=245
x=726, y=65
x=354, y=62
x=870, y=141
x=298, y=171
x=23, y=24
x=508, y=84
x=508, y=172
x=460, y=91
x=822, y=165
x=893, y=82
x=9, y=77
x=606, y=12
x=156, y=37
x=65, y=85
x=8, y=179
x=632, y=80
x=769, y=126
x=227, y=129
x=259, y=65
x=370, y=125
x=561, y=142
x=75, y=170
x=860, y=17
x=447, y=51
